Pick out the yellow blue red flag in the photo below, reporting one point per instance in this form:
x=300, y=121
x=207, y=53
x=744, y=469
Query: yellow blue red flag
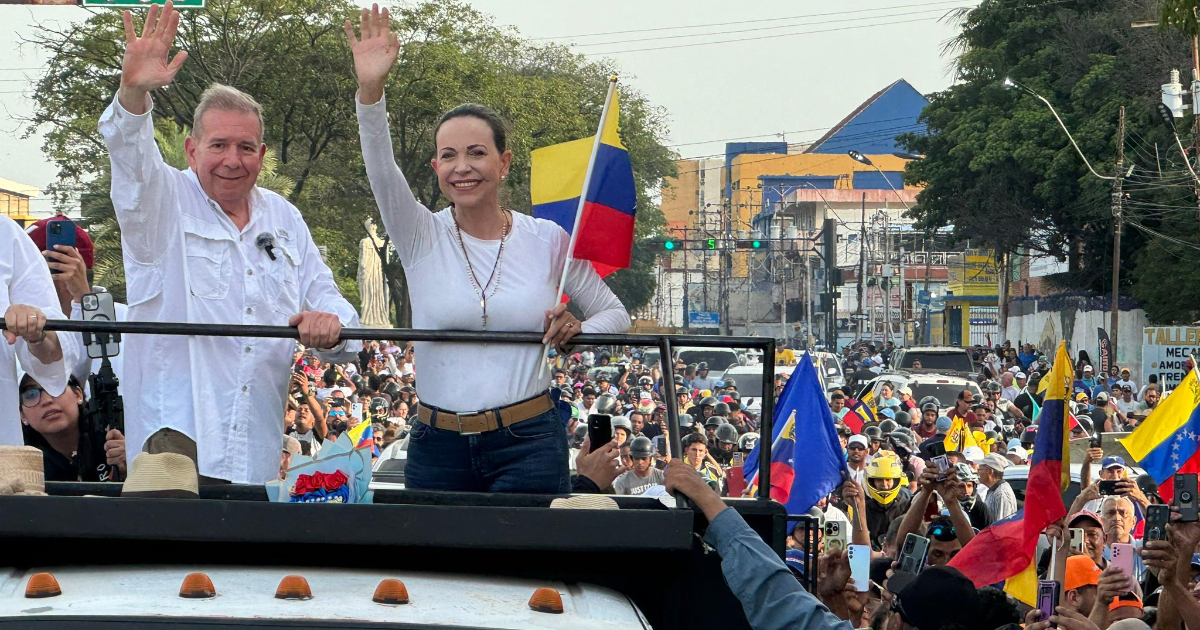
x=1166, y=442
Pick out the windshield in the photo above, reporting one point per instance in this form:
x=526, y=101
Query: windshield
x=954, y=361
x=750, y=385
x=831, y=367
x=719, y=360
x=946, y=393
x=593, y=373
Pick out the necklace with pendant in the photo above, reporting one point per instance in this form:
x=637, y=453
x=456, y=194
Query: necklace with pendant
x=493, y=281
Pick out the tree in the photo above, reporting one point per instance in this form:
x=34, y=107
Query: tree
x=997, y=165
x=292, y=56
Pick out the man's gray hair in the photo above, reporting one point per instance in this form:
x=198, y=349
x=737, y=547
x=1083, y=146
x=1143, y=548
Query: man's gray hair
x=226, y=99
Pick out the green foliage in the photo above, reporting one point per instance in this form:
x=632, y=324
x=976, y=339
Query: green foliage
x=292, y=56
x=999, y=168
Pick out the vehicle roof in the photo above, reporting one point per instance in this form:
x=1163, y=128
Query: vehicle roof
x=248, y=592
x=1022, y=472
x=946, y=349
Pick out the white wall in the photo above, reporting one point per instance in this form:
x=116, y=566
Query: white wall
x=1031, y=328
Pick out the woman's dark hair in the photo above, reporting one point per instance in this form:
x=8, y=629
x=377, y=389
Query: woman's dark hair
x=482, y=112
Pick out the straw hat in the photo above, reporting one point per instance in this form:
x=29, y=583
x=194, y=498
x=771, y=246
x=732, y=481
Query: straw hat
x=21, y=471
x=585, y=502
x=162, y=475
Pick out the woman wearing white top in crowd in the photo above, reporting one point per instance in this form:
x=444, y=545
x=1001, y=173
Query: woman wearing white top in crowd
x=485, y=421
x=27, y=299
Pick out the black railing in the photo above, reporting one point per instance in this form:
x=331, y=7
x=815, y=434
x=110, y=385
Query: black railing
x=664, y=343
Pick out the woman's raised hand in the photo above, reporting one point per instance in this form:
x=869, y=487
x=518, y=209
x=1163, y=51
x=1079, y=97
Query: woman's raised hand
x=374, y=54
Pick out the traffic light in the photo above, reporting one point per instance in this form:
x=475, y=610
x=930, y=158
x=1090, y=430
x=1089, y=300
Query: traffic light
x=748, y=244
x=672, y=244
x=711, y=243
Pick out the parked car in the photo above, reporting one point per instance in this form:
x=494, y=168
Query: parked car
x=1018, y=477
x=944, y=387
x=941, y=359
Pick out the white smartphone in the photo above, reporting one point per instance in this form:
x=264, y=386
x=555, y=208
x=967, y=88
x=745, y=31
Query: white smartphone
x=1122, y=557
x=860, y=566
x=1077, y=540
x=356, y=410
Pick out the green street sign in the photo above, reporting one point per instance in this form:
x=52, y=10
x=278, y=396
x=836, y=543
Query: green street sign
x=129, y=4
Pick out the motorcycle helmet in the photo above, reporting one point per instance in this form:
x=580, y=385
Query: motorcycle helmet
x=873, y=434
x=641, y=448
x=1029, y=436
x=929, y=402
x=645, y=380
x=991, y=387
x=730, y=384
x=965, y=473
x=903, y=419
x=685, y=421
x=887, y=426
x=621, y=422
x=715, y=421
x=708, y=401
x=721, y=409
x=747, y=442
x=577, y=438
x=727, y=434
x=882, y=468
x=607, y=404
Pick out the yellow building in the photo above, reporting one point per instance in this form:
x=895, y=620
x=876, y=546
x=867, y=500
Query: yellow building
x=14, y=200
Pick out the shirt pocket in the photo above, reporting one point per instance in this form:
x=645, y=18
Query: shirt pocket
x=209, y=261
x=284, y=280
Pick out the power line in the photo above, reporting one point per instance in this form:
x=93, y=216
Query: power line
x=774, y=19
x=758, y=29
x=751, y=39
x=777, y=133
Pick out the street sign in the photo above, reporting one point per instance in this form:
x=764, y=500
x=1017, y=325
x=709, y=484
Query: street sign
x=862, y=316
x=129, y=4
x=923, y=297
x=702, y=319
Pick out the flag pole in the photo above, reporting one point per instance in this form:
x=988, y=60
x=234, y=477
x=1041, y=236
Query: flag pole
x=587, y=182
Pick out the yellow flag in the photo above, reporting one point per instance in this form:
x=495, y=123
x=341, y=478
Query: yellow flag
x=1023, y=586
x=959, y=436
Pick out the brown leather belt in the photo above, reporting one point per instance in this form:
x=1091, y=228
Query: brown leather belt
x=475, y=422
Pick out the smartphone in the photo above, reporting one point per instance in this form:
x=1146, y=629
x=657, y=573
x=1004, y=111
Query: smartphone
x=835, y=536
x=1108, y=487
x=599, y=429
x=1185, y=497
x=912, y=555
x=860, y=566
x=1077, y=545
x=356, y=410
x=1122, y=557
x=99, y=307
x=61, y=232
x=737, y=460
x=1098, y=439
x=1047, y=598
x=299, y=369
x=943, y=465
x=1157, y=517
x=662, y=446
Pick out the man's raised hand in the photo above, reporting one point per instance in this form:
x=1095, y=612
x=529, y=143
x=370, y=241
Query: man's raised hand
x=146, y=65
x=374, y=54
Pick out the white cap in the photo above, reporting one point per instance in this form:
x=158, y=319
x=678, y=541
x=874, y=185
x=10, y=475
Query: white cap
x=859, y=439
x=974, y=454
x=1021, y=376
x=1014, y=369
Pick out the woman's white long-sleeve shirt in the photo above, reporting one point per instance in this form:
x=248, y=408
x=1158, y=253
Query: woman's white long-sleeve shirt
x=25, y=279
x=467, y=377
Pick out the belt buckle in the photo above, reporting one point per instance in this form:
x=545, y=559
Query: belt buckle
x=459, y=417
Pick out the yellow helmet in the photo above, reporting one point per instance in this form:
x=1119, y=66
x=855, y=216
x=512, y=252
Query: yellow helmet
x=884, y=468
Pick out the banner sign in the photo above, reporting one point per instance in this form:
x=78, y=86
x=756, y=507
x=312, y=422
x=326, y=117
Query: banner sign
x=1108, y=366
x=1164, y=351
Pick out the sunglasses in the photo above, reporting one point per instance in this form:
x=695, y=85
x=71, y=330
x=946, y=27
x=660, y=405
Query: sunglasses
x=942, y=531
x=856, y=447
x=337, y=413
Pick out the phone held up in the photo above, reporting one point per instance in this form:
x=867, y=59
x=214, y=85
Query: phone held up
x=835, y=536
x=1185, y=497
x=1047, y=598
x=60, y=232
x=1157, y=517
x=599, y=429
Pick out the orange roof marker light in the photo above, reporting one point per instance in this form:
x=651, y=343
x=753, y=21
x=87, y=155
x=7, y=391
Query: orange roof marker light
x=197, y=586
x=42, y=585
x=546, y=600
x=293, y=587
x=391, y=592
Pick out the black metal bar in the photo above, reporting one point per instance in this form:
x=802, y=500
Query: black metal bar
x=675, y=440
x=766, y=421
x=404, y=334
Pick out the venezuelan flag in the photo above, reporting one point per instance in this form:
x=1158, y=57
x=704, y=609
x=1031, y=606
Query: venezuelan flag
x=559, y=172
x=959, y=436
x=860, y=413
x=868, y=399
x=1166, y=442
x=1005, y=551
x=803, y=471
x=363, y=435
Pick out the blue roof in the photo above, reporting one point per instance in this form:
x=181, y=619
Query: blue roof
x=873, y=126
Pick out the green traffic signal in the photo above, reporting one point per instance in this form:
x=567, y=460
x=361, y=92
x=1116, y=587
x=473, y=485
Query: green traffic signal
x=756, y=244
x=669, y=245
x=712, y=243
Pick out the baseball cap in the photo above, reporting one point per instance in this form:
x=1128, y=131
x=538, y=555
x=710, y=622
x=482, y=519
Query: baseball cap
x=291, y=445
x=1014, y=369
x=1112, y=461
x=859, y=439
x=1081, y=571
x=1085, y=514
x=1087, y=368
x=888, y=413
x=1102, y=397
x=1081, y=396
x=795, y=562
x=906, y=390
x=937, y=597
x=1019, y=452
x=1021, y=376
x=83, y=242
x=974, y=454
x=1128, y=599
x=1014, y=443
x=943, y=424
x=996, y=462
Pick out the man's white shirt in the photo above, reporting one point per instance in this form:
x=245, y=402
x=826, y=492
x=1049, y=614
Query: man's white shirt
x=25, y=279
x=185, y=261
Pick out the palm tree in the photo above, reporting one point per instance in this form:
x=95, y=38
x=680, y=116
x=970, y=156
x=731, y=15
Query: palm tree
x=98, y=214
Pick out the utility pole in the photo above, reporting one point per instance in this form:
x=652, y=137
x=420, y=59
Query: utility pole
x=903, y=297
x=1117, y=200
x=862, y=263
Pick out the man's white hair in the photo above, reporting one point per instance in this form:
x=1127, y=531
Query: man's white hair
x=223, y=98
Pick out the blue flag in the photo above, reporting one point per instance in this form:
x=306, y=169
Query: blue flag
x=806, y=457
x=750, y=468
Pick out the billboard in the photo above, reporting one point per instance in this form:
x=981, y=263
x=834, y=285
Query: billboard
x=1164, y=351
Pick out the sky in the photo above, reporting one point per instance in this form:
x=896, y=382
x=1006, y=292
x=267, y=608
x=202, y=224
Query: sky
x=741, y=71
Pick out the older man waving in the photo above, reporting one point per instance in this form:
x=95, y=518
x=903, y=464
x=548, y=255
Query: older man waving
x=207, y=245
